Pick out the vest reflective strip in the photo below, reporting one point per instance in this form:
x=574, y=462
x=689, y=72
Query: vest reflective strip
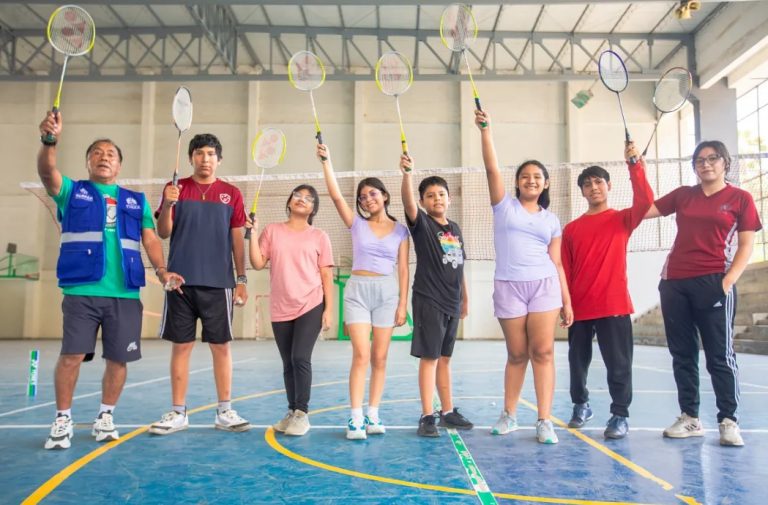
x=86, y=236
x=131, y=245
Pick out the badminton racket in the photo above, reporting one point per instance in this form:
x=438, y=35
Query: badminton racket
x=267, y=151
x=614, y=75
x=394, y=76
x=182, y=118
x=307, y=73
x=671, y=93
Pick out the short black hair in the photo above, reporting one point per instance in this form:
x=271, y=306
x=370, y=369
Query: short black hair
x=205, y=140
x=313, y=192
x=104, y=141
x=593, y=171
x=433, y=180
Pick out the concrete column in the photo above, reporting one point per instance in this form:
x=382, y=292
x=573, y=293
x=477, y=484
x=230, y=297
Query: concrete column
x=718, y=115
x=147, y=134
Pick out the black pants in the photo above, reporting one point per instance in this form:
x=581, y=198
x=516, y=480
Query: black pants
x=614, y=336
x=699, y=303
x=295, y=341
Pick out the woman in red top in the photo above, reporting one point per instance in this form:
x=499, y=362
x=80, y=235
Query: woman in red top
x=716, y=225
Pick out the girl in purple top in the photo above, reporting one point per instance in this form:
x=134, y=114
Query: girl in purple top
x=373, y=298
x=529, y=284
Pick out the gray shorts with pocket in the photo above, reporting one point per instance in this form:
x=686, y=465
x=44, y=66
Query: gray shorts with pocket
x=371, y=300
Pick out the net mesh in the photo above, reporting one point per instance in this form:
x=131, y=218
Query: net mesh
x=268, y=148
x=393, y=74
x=470, y=206
x=672, y=90
x=71, y=30
x=613, y=73
x=182, y=109
x=306, y=71
x=457, y=27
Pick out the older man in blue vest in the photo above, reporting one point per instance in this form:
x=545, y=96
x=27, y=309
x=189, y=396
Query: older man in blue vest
x=100, y=271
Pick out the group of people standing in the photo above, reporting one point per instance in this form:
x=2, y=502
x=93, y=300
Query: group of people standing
x=542, y=272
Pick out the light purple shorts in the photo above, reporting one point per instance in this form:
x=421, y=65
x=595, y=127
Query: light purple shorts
x=517, y=298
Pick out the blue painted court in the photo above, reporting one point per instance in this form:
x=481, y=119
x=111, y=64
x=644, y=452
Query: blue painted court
x=203, y=465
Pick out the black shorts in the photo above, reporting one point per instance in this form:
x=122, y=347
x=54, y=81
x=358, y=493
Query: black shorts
x=213, y=306
x=434, y=331
x=120, y=322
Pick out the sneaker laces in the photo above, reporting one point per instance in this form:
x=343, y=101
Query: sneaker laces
x=169, y=416
x=105, y=422
x=231, y=415
x=60, y=425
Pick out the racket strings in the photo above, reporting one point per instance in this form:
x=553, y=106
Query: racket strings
x=393, y=74
x=457, y=27
x=306, y=71
x=672, y=91
x=612, y=71
x=71, y=31
x=182, y=109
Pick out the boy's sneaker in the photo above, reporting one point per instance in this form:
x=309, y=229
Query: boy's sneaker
x=427, y=427
x=229, y=420
x=582, y=413
x=299, y=424
x=374, y=426
x=283, y=423
x=171, y=422
x=545, y=432
x=685, y=426
x=61, y=433
x=104, y=428
x=730, y=433
x=454, y=419
x=617, y=427
x=505, y=424
x=356, y=429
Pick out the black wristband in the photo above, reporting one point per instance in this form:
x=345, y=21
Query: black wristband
x=46, y=142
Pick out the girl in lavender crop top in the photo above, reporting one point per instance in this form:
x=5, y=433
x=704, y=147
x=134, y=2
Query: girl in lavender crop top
x=375, y=300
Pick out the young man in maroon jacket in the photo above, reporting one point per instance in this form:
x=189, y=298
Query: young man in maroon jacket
x=594, y=255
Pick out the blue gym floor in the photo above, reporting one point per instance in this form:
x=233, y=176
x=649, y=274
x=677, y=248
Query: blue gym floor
x=203, y=465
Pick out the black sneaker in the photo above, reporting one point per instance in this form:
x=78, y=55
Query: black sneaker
x=427, y=426
x=582, y=413
x=617, y=427
x=455, y=420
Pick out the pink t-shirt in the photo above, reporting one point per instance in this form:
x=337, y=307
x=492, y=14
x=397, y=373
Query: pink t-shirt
x=296, y=258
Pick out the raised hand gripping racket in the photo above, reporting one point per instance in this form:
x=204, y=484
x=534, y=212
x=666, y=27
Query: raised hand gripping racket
x=671, y=93
x=182, y=118
x=71, y=32
x=458, y=30
x=394, y=76
x=267, y=151
x=614, y=75
x=307, y=73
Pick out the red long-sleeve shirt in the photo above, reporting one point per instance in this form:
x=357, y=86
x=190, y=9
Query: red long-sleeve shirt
x=594, y=254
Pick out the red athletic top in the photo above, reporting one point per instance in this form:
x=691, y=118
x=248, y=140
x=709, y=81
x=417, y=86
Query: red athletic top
x=707, y=229
x=594, y=254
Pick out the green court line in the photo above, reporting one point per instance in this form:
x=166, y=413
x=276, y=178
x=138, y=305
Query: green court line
x=484, y=493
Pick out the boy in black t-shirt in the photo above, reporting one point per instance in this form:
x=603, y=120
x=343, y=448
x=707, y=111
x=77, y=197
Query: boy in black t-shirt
x=439, y=295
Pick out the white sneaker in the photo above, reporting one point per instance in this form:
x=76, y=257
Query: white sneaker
x=229, y=420
x=171, y=422
x=61, y=433
x=299, y=424
x=545, y=432
x=356, y=429
x=505, y=424
x=685, y=426
x=283, y=423
x=730, y=433
x=374, y=426
x=104, y=428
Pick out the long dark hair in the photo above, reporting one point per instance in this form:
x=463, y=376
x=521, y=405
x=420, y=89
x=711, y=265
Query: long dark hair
x=375, y=183
x=544, y=196
x=315, y=206
x=719, y=148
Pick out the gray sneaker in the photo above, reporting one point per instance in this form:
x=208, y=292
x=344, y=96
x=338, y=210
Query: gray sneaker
x=685, y=426
x=730, y=434
x=104, y=428
x=299, y=424
x=61, y=433
x=545, y=432
x=283, y=423
x=505, y=424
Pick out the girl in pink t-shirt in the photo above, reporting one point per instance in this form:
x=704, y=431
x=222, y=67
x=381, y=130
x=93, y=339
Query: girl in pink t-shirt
x=373, y=299
x=301, y=282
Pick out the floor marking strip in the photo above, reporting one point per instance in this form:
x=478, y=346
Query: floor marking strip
x=479, y=484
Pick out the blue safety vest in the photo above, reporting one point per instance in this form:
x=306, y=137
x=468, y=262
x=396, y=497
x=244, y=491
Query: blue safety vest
x=82, y=258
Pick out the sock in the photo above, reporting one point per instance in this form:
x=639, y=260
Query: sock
x=181, y=409
x=373, y=413
x=356, y=414
x=106, y=408
x=224, y=406
x=64, y=412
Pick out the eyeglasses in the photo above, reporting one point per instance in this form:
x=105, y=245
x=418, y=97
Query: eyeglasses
x=711, y=159
x=305, y=198
x=371, y=194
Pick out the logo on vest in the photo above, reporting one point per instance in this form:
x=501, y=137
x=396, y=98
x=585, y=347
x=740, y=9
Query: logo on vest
x=83, y=194
x=132, y=204
x=225, y=198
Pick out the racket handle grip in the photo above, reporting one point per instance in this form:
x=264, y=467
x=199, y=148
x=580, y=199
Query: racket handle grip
x=50, y=138
x=632, y=160
x=248, y=231
x=477, y=104
x=319, y=137
x=175, y=181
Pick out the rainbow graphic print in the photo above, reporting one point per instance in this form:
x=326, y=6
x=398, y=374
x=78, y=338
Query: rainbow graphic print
x=452, y=248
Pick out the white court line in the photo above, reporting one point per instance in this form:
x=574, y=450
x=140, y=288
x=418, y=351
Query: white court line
x=128, y=386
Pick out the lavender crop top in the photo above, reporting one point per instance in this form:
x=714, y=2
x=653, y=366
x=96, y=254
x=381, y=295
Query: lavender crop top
x=374, y=254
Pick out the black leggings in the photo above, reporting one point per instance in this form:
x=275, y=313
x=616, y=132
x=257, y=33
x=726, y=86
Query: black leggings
x=295, y=340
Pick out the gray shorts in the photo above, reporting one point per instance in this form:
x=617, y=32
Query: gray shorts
x=120, y=322
x=371, y=300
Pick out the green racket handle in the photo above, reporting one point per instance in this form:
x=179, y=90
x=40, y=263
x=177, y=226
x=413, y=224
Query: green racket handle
x=477, y=104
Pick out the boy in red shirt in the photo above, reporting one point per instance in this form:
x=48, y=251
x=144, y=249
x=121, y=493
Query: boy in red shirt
x=594, y=255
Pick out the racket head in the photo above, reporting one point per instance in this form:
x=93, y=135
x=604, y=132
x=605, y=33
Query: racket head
x=182, y=109
x=71, y=30
x=306, y=71
x=612, y=71
x=673, y=89
x=268, y=148
x=458, y=28
x=394, y=73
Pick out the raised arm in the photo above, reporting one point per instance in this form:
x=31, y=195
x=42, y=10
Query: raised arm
x=46, y=156
x=406, y=188
x=642, y=194
x=402, y=279
x=491, y=161
x=344, y=210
